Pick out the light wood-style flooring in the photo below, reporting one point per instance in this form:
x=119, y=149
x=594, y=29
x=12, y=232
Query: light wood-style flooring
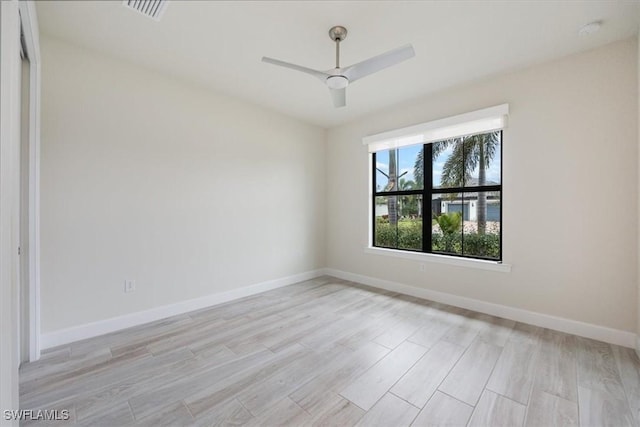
x=330, y=352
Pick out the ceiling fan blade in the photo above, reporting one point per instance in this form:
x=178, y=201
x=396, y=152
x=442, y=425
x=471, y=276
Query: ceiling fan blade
x=377, y=63
x=339, y=97
x=318, y=74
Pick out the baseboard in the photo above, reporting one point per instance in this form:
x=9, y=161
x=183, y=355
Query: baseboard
x=587, y=330
x=89, y=330
x=94, y=329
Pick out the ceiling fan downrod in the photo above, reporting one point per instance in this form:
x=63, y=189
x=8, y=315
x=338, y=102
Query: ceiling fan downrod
x=338, y=34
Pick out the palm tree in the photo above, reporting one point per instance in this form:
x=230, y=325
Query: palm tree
x=468, y=153
x=392, y=185
x=418, y=167
x=407, y=184
x=410, y=204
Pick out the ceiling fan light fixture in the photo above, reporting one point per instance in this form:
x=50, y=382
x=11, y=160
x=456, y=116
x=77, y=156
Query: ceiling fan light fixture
x=337, y=82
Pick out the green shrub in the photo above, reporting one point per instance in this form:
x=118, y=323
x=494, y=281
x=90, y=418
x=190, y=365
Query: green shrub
x=450, y=223
x=482, y=245
x=449, y=243
x=385, y=234
x=408, y=235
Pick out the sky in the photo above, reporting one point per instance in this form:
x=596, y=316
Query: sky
x=407, y=157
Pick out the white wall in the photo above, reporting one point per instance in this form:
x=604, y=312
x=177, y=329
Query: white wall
x=9, y=204
x=572, y=141
x=184, y=191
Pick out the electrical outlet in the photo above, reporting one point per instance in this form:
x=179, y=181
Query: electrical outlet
x=129, y=286
x=422, y=267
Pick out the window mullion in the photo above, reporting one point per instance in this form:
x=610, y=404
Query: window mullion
x=464, y=183
x=427, y=197
x=373, y=200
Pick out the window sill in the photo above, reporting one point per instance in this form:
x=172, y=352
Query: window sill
x=442, y=259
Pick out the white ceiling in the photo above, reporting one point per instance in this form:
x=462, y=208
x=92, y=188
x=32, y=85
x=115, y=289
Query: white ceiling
x=220, y=44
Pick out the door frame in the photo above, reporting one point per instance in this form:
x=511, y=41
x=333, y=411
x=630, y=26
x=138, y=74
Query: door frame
x=29, y=23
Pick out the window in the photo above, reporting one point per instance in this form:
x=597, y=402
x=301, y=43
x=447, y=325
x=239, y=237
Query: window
x=440, y=196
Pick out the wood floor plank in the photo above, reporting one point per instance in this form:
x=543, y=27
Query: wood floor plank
x=330, y=352
x=284, y=413
x=369, y=331
x=431, y=332
x=549, y=410
x=195, y=382
x=51, y=362
x=235, y=382
x=337, y=412
x=294, y=333
x=331, y=334
x=60, y=368
x=495, y=410
x=467, y=379
x=118, y=415
x=258, y=398
x=525, y=334
x=461, y=335
x=373, y=384
x=253, y=340
x=513, y=374
x=109, y=394
x=443, y=411
x=169, y=416
x=74, y=383
x=497, y=330
x=390, y=410
x=203, y=336
x=183, y=338
x=556, y=366
x=129, y=335
x=597, y=368
x=629, y=368
x=422, y=380
x=227, y=413
x=337, y=375
x=399, y=333
x=601, y=408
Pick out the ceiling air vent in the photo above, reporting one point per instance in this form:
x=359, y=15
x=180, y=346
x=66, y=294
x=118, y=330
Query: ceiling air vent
x=151, y=8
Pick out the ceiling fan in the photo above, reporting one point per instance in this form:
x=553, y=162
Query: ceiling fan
x=337, y=79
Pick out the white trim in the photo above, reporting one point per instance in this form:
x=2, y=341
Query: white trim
x=441, y=259
x=588, y=330
x=638, y=345
x=472, y=123
x=9, y=203
x=29, y=22
x=101, y=327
